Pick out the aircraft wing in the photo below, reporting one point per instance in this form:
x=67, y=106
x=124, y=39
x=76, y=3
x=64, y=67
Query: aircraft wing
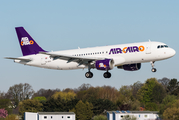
x=79, y=59
x=23, y=59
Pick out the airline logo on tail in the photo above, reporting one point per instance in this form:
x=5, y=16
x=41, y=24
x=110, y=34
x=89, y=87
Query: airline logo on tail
x=25, y=41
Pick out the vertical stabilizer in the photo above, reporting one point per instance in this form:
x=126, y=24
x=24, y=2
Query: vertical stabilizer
x=27, y=43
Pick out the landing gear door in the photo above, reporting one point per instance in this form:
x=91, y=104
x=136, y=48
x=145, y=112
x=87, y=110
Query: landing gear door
x=148, y=48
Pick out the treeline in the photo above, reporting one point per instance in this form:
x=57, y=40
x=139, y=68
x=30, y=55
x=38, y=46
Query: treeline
x=87, y=101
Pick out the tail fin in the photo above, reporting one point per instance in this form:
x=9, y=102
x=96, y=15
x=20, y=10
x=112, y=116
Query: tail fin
x=27, y=43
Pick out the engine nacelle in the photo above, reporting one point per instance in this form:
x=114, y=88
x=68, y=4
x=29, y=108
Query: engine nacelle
x=106, y=64
x=131, y=67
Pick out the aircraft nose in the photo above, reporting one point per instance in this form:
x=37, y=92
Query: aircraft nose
x=172, y=52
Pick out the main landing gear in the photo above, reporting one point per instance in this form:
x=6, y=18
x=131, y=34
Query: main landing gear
x=153, y=69
x=107, y=74
x=90, y=74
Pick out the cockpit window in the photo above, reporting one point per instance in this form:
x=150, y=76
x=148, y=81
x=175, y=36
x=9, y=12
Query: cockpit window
x=162, y=46
x=166, y=46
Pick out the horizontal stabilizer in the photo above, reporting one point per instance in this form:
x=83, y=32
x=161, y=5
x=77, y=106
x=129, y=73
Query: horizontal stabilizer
x=23, y=59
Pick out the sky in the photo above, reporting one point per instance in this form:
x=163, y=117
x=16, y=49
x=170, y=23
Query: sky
x=62, y=25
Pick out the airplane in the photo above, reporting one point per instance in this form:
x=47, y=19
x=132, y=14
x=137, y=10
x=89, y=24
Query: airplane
x=124, y=56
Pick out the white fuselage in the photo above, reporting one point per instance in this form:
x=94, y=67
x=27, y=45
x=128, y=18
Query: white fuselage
x=148, y=51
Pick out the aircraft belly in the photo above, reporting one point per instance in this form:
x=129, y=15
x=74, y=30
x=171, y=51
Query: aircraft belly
x=133, y=58
x=35, y=63
x=63, y=65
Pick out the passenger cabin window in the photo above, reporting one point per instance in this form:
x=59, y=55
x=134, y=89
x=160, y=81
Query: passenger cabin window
x=45, y=117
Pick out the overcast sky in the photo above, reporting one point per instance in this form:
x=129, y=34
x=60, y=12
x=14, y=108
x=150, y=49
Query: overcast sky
x=69, y=24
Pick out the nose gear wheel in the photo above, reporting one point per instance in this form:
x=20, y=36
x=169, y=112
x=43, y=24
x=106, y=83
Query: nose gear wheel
x=152, y=64
x=154, y=69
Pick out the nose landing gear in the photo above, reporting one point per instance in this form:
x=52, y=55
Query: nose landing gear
x=153, y=69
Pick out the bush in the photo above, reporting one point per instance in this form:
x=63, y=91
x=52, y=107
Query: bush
x=151, y=106
x=11, y=117
x=172, y=112
x=100, y=117
x=3, y=113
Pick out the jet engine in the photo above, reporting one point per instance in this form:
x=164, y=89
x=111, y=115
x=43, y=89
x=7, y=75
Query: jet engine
x=130, y=67
x=106, y=64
